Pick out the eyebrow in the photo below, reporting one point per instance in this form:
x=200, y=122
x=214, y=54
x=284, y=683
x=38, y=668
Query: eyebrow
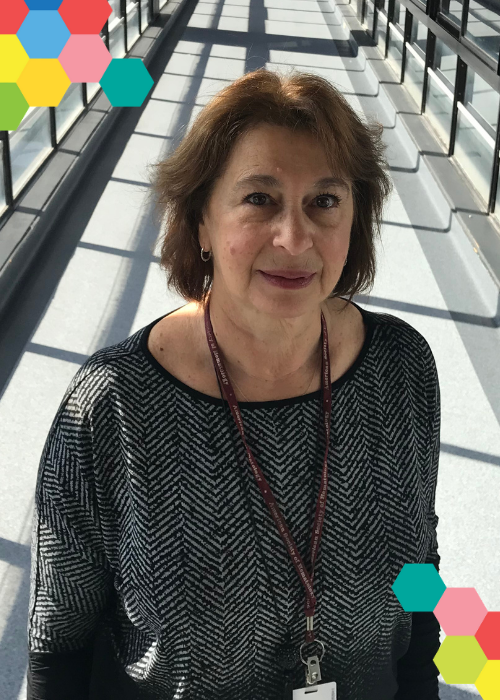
x=270, y=181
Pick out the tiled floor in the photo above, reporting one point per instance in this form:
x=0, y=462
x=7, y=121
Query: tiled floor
x=112, y=286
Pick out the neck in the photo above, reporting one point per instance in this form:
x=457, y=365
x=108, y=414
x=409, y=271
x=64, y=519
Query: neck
x=263, y=349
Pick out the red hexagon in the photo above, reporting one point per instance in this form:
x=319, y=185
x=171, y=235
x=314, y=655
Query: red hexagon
x=488, y=635
x=87, y=17
x=12, y=16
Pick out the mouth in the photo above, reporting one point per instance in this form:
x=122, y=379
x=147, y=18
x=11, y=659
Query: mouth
x=289, y=274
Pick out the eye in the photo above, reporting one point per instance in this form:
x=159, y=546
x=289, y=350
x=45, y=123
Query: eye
x=336, y=199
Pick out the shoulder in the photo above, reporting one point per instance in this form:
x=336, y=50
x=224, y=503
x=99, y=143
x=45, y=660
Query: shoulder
x=104, y=371
x=411, y=345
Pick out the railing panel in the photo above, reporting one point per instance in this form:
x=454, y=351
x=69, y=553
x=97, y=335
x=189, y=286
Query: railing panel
x=474, y=152
x=29, y=146
x=69, y=108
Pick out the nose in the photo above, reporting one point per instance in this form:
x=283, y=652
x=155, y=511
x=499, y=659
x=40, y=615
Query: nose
x=294, y=232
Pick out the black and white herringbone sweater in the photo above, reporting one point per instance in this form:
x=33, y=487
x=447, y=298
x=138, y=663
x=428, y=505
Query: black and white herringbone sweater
x=147, y=578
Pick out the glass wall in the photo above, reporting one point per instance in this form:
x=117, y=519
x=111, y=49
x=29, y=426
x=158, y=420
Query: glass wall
x=483, y=26
x=439, y=107
x=419, y=37
x=395, y=54
x=133, y=32
x=414, y=75
x=70, y=107
x=3, y=203
x=452, y=9
x=30, y=144
x=466, y=124
x=33, y=141
x=474, y=150
x=445, y=64
x=399, y=15
x=369, y=17
x=482, y=101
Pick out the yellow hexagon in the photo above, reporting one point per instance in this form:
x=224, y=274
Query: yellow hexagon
x=13, y=58
x=488, y=682
x=43, y=82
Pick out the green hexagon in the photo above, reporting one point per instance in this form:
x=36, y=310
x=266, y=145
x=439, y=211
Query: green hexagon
x=418, y=587
x=460, y=660
x=13, y=106
x=126, y=82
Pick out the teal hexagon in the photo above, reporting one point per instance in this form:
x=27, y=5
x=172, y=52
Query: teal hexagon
x=126, y=82
x=13, y=106
x=418, y=587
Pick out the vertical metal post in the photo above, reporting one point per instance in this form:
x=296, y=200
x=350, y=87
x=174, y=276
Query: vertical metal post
x=494, y=174
x=139, y=12
x=460, y=82
x=53, y=126
x=123, y=10
x=7, y=168
x=106, y=34
x=465, y=12
x=390, y=18
x=84, y=95
x=406, y=37
x=375, y=19
x=429, y=63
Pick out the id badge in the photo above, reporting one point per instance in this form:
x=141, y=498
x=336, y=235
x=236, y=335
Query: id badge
x=324, y=691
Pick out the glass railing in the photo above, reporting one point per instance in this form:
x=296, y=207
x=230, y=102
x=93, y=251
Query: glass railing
x=29, y=146
x=439, y=107
x=39, y=133
x=414, y=74
x=69, y=109
x=466, y=125
x=395, y=50
x=474, y=151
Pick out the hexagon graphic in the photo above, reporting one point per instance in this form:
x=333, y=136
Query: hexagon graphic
x=12, y=16
x=460, y=611
x=418, y=587
x=13, y=106
x=488, y=635
x=126, y=82
x=488, y=682
x=43, y=34
x=460, y=660
x=87, y=17
x=13, y=58
x=85, y=58
x=43, y=4
x=43, y=82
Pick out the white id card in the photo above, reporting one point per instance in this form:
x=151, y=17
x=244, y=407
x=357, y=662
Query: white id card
x=323, y=691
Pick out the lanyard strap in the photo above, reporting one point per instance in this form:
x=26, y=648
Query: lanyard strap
x=307, y=581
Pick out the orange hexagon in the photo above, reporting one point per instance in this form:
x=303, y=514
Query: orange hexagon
x=43, y=82
x=87, y=17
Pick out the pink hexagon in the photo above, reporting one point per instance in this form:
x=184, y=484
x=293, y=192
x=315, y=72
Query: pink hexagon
x=85, y=58
x=460, y=611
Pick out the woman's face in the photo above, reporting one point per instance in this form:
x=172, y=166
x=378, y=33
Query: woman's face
x=256, y=225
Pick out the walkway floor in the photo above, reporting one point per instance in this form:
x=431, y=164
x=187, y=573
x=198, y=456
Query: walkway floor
x=101, y=283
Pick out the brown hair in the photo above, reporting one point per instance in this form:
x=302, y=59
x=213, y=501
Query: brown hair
x=183, y=183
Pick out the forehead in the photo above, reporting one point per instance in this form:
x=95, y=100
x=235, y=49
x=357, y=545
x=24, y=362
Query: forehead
x=268, y=148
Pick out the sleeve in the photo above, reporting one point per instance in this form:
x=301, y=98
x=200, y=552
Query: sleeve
x=70, y=579
x=417, y=672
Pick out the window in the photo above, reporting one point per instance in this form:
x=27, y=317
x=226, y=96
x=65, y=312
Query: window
x=452, y=9
x=483, y=26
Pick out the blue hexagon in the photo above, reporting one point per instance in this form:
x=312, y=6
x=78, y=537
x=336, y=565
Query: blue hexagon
x=43, y=34
x=418, y=587
x=43, y=4
x=126, y=82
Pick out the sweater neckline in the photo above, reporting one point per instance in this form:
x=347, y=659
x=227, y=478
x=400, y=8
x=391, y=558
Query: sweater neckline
x=368, y=318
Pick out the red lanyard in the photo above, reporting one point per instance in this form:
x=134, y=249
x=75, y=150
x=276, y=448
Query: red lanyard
x=266, y=492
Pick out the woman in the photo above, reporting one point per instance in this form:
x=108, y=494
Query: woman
x=226, y=497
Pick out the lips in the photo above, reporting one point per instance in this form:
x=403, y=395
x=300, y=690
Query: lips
x=288, y=274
